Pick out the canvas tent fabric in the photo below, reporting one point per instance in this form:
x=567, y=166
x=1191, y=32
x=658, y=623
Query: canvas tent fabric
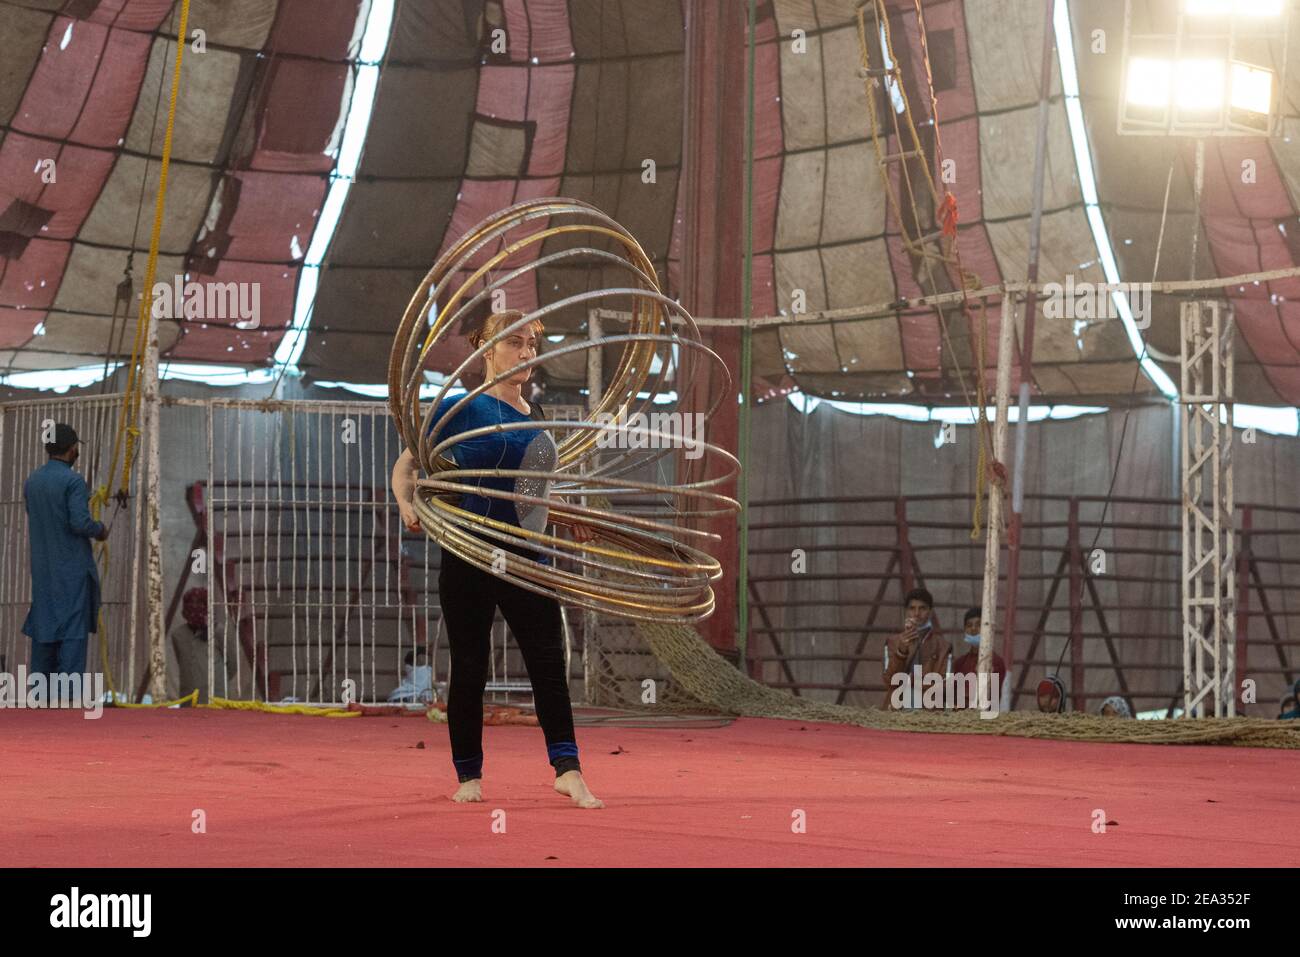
x=585, y=95
x=798, y=500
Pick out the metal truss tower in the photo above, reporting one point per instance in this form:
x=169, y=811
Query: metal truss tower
x=1209, y=570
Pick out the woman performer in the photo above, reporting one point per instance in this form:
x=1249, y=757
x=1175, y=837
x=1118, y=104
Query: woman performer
x=470, y=596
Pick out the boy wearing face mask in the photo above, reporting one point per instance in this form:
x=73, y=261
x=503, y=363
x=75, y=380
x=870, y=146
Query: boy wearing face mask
x=968, y=663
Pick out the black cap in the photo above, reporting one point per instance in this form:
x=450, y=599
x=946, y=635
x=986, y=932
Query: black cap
x=65, y=437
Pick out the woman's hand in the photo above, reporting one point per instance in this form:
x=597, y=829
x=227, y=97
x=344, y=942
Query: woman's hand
x=582, y=534
x=404, y=477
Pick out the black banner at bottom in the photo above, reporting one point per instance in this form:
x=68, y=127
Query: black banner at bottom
x=942, y=910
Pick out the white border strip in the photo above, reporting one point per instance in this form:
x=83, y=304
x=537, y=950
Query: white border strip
x=374, y=44
x=1088, y=184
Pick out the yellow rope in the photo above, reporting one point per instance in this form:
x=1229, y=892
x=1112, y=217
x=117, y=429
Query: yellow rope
x=191, y=699
x=128, y=428
x=229, y=705
x=969, y=281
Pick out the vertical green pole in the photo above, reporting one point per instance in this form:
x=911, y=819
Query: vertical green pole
x=746, y=360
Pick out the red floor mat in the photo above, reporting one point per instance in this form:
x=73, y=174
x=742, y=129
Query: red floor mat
x=307, y=791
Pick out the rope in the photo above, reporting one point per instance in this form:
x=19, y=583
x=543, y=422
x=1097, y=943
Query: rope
x=127, y=285
x=191, y=699
x=945, y=216
x=967, y=281
x=121, y=306
x=227, y=704
x=891, y=309
x=492, y=714
x=1077, y=615
x=716, y=683
x=711, y=682
x=128, y=429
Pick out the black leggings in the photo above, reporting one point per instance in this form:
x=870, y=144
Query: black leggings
x=469, y=599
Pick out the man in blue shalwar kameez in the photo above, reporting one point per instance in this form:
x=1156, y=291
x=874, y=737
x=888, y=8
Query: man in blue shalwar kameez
x=65, y=581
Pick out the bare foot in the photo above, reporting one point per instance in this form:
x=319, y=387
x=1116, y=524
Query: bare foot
x=469, y=791
x=571, y=783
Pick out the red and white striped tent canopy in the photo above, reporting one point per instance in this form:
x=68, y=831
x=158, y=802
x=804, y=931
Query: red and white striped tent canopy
x=584, y=93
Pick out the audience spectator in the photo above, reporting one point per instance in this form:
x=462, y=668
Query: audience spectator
x=968, y=664
x=915, y=644
x=1051, y=695
x=187, y=666
x=417, y=681
x=1115, y=707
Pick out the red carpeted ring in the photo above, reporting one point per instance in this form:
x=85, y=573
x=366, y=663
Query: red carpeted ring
x=291, y=790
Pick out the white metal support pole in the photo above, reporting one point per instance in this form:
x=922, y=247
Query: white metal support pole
x=1226, y=654
x=595, y=391
x=1198, y=186
x=133, y=618
x=993, y=537
x=1209, y=589
x=595, y=362
x=153, y=523
x=210, y=563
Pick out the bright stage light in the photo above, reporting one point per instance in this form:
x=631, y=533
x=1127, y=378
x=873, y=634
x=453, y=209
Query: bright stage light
x=1252, y=88
x=1219, y=72
x=1199, y=85
x=1238, y=8
x=1148, y=82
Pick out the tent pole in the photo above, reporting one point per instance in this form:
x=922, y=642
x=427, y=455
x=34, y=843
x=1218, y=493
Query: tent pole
x=993, y=539
x=1027, y=348
x=746, y=361
x=153, y=523
x=590, y=619
x=1198, y=187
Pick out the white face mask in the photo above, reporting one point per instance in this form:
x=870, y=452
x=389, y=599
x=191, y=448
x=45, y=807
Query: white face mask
x=972, y=639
